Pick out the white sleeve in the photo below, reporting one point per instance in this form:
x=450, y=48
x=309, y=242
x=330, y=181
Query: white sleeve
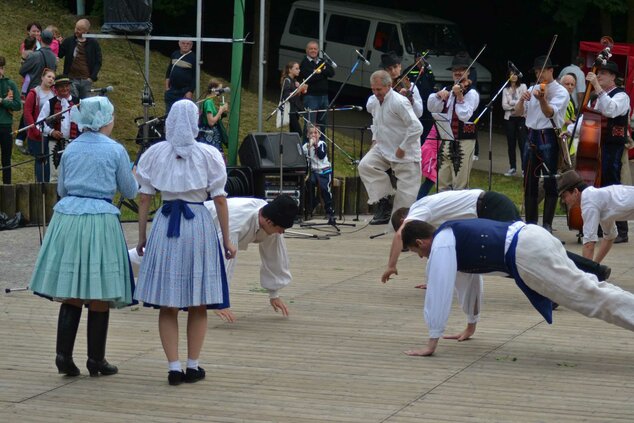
x=418, y=102
x=613, y=106
x=590, y=215
x=467, y=108
x=414, y=127
x=435, y=104
x=442, y=268
x=274, y=269
x=469, y=288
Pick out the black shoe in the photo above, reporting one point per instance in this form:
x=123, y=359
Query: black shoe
x=548, y=227
x=103, y=367
x=175, y=377
x=332, y=221
x=66, y=365
x=621, y=239
x=194, y=375
x=605, y=272
x=383, y=212
x=555, y=306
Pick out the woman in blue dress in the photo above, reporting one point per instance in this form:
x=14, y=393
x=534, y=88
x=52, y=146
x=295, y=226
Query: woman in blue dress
x=83, y=258
x=183, y=266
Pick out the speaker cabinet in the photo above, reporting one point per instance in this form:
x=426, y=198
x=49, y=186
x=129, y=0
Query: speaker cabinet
x=261, y=151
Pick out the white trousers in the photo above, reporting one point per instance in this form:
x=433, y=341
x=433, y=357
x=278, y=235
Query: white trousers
x=447, y=178
x=544, y=266
x=378, y=185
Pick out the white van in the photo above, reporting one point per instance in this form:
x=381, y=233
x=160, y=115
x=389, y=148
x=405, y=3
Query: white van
x=374, y=31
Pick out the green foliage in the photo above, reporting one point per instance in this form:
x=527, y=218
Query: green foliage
x=571, y=12
x=173, y=8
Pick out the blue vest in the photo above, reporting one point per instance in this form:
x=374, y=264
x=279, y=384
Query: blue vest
x=480, y=249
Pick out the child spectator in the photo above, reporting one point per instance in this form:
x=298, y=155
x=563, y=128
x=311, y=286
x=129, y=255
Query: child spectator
x=320, y=173
x=57, y=38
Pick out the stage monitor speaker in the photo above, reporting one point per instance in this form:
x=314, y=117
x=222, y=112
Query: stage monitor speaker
x=261, y=151
x=127, y=17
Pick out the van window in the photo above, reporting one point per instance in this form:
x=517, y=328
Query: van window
x=305, y=23
x=441, y=39
x=386, y=38
x=347, y=30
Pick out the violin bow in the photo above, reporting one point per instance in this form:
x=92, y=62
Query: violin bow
x=550, y=50
x=409, y=69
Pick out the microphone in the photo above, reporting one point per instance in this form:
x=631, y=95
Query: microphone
x=102, y=90
x=362, y=58
x=356, y=108
x=514, y=69
x=220, y=90
x=332, y=62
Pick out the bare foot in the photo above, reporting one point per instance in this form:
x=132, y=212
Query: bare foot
x=424, y=352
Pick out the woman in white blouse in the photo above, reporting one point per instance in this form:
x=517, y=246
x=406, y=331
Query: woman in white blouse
x=183, y=266
x=514, y=125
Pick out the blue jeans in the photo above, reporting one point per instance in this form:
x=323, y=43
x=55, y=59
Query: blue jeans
x=39, y=150
x=317, y=102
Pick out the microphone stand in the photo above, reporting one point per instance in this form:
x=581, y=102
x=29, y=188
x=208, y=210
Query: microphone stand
x=489, y=107
x=343, y=84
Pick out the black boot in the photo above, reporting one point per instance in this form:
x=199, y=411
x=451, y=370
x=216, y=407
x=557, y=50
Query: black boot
x=67, y=324
x=97, y=334
x=589, y=266
x=383, y=212
x=550, y=204
x=622, y=228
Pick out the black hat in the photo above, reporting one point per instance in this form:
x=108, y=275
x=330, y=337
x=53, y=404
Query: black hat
x=61, y=80
x=390, y=59
x=568, y=180
x=461, y=60
x=281, y=211
x=539, y=63
x=611, y=67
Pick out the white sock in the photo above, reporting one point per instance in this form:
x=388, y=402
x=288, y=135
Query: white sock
x=175, y=366
x=192, y=364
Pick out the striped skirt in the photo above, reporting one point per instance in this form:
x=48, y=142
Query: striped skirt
x=183, y=271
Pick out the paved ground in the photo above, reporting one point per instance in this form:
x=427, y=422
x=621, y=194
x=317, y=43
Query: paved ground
x=338, y=358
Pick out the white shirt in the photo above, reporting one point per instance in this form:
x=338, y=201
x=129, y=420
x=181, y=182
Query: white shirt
x=417, y=105
x=438, y=208
x=45, y=112
x=605, y=206
x=557, y=97
x=395, y=125
x=245, y=229
x=464, y=111
x=609, y=107
x=510, y=97
x=442, y=275
x=316, y=163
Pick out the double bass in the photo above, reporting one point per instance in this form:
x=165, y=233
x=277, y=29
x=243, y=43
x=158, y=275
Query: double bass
x=591, y=133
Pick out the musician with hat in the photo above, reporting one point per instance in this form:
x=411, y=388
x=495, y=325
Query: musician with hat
x=452, y=111
x=59, y=130
x=614, y=104
x=544, y=105
x=391, y=62
x=599, y=206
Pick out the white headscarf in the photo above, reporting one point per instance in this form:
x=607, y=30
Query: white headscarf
x=181, y=127
x=93, y=113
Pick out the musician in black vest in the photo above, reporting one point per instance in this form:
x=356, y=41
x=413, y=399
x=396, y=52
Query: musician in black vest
x=316, y=98
x=477, y=246
x=613, y=103
x=59, y=130
x=453, y=111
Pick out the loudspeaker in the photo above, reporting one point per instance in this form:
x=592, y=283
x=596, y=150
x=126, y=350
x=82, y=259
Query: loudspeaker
x=127, y=17
x=261, y=151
